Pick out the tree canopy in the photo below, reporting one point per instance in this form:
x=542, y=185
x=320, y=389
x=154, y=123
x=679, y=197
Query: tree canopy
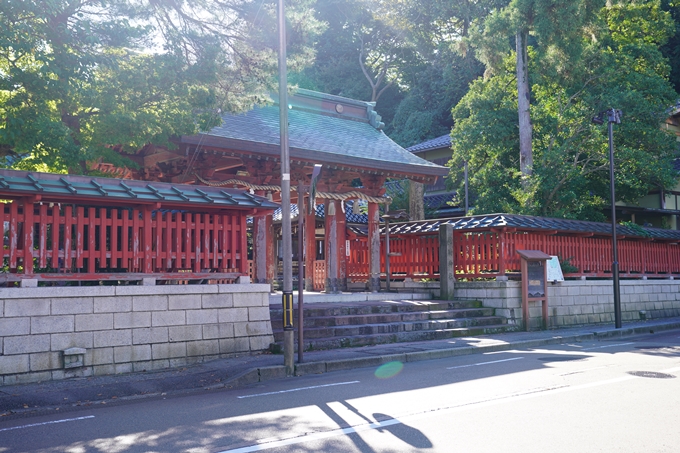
x=618, y=65
x=82, y=78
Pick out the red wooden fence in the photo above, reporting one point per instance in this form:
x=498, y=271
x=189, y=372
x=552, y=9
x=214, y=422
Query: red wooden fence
x=487, y=254
x=48, y=239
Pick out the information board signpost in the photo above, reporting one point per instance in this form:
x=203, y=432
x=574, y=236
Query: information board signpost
x=534, y=278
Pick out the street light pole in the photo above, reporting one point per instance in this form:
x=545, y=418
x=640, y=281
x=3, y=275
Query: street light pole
x=613, y=116
x=288, y=333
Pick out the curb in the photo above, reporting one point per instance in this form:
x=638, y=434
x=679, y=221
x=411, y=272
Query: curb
x=279, y=372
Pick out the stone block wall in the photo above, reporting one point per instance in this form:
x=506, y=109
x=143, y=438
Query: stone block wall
x=579, y=302
x=120, y=329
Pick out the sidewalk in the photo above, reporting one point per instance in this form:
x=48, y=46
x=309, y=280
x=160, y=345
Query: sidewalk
x=47, y=397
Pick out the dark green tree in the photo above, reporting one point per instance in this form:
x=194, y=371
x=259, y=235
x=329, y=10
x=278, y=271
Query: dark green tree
x=618, y=65
x=81, y=79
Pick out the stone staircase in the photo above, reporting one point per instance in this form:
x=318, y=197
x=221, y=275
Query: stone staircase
x=343, y=325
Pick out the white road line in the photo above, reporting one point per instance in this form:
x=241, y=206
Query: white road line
x=47, y=423
x=532, y=393
x=484, y=363
x=607, y=346
x=298, y=389
x=315, y=436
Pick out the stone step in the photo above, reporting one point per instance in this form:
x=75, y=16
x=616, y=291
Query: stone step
x=328, y=321
x=395, y=327
x=319, y=310
x=402, y=337
x=361, y=323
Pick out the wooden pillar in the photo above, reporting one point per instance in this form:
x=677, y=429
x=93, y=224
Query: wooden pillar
x=264, y=249
x=341, y=219
x=416, y=202
x=446, y=263
x=332, y=250
x=310, y=249
x=373, y=248
x=28, y=236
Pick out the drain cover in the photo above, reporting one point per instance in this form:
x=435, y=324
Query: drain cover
x=563, y=358
x=651, y=374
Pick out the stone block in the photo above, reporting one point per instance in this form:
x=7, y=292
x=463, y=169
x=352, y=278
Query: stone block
x=28, y=378
x=258, y=314
x=52, y=324
x=160, y=364
x=11, y=364
x=99, y=356
x=217, y=300
x=260, y=343
x=63, y=341
x=203, y=347
x=185, y=333
x=45, y=361
x=150, y=303
x=29, y=283
x=122, y=354
x=262, y=288
x=168, y=318
x=150, y=335
x=214, y=331
x=142, y=366
x=272, y=372
x=26, y=344
x=251, y=300
x=141, y=353
x=104, y=370
x=573, y=291
x=302, y=369
x=132, y=320
x=118, y=304
x=184, y=302
x=100, y=321
x=15, y=326
x=205, y=316
x=72, y=305
x=234, y=345
x=123, y=368
x=26, y=307
x=168, y=350
x=106, y=338
x=233, y=315
x=259, y=328
x=182, y=361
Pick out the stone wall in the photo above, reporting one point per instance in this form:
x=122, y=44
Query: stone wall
x=62, y=332
x=579, y=302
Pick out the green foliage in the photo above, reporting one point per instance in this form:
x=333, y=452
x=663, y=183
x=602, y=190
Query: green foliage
x=618, y=65
x=84, y=79
x=640, y=231
x=671, y=50
x=565, y=264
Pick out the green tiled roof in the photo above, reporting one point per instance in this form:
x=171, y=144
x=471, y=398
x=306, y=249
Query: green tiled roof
x=71, y=188
x=317, y=132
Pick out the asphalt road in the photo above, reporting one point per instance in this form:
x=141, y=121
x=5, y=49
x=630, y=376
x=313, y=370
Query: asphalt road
x=608, y=396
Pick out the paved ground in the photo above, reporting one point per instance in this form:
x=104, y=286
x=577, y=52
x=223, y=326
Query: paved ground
x=28, y=399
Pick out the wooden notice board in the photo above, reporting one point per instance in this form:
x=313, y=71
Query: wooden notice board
x=534, y=278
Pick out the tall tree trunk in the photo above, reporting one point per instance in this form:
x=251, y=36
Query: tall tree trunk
x=526, y=160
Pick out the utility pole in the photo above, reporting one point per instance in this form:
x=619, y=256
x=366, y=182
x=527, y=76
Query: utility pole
x=288, y=333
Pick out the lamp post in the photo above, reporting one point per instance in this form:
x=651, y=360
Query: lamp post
x=613, y=116
x=287, y=301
